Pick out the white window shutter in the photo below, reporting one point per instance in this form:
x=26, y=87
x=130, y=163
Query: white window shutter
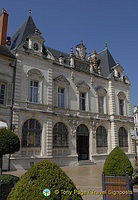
x=9, y=93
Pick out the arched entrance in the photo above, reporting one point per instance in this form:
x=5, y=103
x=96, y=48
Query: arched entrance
x=82, y=142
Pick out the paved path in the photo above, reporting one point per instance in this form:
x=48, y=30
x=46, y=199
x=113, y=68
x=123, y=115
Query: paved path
x=87, y=179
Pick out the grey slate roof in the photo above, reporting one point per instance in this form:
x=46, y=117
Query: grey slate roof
x=105, y=59
x=5, y=52
x=105, y=62
x=25, y=29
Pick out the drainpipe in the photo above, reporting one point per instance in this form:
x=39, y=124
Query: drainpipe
x=12, y=127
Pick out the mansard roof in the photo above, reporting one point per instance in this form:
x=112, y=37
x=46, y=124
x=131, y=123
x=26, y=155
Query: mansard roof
x=105, y=61
x=4, y=51
x=104, y=58
x=25, y=29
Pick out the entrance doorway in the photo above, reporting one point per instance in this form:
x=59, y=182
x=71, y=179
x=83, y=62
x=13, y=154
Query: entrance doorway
x=82, y=142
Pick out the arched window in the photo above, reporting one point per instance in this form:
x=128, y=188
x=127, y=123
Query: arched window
x=82, y=130
x=123, y=137
x=60, y=135
x=101, y=139
x=31, y=133
x=121, y=99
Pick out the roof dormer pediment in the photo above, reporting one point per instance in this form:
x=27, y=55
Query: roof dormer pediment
x=62, y=79
x=82, y=85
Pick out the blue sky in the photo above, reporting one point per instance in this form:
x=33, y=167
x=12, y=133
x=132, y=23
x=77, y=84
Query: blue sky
x=64, y=23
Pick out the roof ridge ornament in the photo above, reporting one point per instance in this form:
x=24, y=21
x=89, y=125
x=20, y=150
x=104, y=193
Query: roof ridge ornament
x=71, y=52
x=30, y=12
x=106, y=44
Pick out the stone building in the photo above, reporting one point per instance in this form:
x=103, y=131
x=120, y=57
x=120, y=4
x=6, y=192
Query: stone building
x=7, y=74
x=67, y=107
x=136, y=127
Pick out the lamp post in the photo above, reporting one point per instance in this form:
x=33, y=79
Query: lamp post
x=12, y=128
x=1, y=181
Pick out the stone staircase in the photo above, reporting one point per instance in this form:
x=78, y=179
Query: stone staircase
x=85, y=162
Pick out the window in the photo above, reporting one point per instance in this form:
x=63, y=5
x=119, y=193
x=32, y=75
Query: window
x=101, y=104
x=33, y=91
x=35, y=46
x=2, y=93
x=82, y=101
x=61, y=97
x=123, y=137
x=31, y=133
x=101, y=137
x=121, y=107
x=60, y=135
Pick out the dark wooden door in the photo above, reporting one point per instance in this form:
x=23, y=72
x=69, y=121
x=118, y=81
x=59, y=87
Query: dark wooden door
x=83, y=147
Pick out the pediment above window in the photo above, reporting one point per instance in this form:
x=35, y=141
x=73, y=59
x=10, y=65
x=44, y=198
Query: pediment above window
x=121, y=95
x=126, y=80
x=62, y=79
x=33, y=73
x=82, y=86
x=101, y=91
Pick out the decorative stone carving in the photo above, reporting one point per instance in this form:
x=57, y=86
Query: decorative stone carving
x=62, y=79
x=80, y=50
x=92, y=81
x=72, y=76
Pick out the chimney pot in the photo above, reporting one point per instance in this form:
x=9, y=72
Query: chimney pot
x=3, y=27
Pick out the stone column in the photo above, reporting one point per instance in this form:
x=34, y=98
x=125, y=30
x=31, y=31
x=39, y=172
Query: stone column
x=50, y=89
x=43, y=142
x=72, y=143
x=114, y=135
x=49, y=137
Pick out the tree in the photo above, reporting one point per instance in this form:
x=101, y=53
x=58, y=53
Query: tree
x=9, y=144
x=117, y=163
x=41, y=176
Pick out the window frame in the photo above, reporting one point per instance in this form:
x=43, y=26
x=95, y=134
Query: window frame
x=28, y=131
x=60, y=135
x=33, y=88
x=82, y=100
x=121, y=140
x=101, y=135
x=121, y=107
x=4, y=100
x=101, y=107
x=61, y=97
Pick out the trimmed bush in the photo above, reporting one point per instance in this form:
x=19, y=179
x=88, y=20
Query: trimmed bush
x=8, y=182
x=9, y=144
x=117, y=163
x=40, y=176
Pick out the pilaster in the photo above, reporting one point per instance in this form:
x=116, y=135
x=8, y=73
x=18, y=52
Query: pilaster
x=49, y=136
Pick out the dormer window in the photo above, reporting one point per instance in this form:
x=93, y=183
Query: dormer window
x=35, y=46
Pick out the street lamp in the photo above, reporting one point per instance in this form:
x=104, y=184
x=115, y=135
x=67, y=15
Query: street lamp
x=1, y=181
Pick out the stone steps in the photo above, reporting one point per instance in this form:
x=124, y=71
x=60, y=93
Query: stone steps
x=85, y=162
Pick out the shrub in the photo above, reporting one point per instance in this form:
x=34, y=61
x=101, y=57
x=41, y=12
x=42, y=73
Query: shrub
x=9, y=144
x=8, y=182
x=117, y=163
x=40, y=176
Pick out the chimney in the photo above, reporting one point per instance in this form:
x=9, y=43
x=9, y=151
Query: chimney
x=93, y=58
x=3, y=26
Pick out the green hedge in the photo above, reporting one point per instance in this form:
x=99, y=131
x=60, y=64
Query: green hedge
x=117, y=163
x=8, y=180
x=40, y=176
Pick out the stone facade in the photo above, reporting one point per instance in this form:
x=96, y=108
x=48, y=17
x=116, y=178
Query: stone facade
x=81, y=103
x=136, y=127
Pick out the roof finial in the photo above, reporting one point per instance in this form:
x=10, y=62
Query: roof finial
x=30, y=11
x=106, y=44
x=81, y=41
x=71, y=51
